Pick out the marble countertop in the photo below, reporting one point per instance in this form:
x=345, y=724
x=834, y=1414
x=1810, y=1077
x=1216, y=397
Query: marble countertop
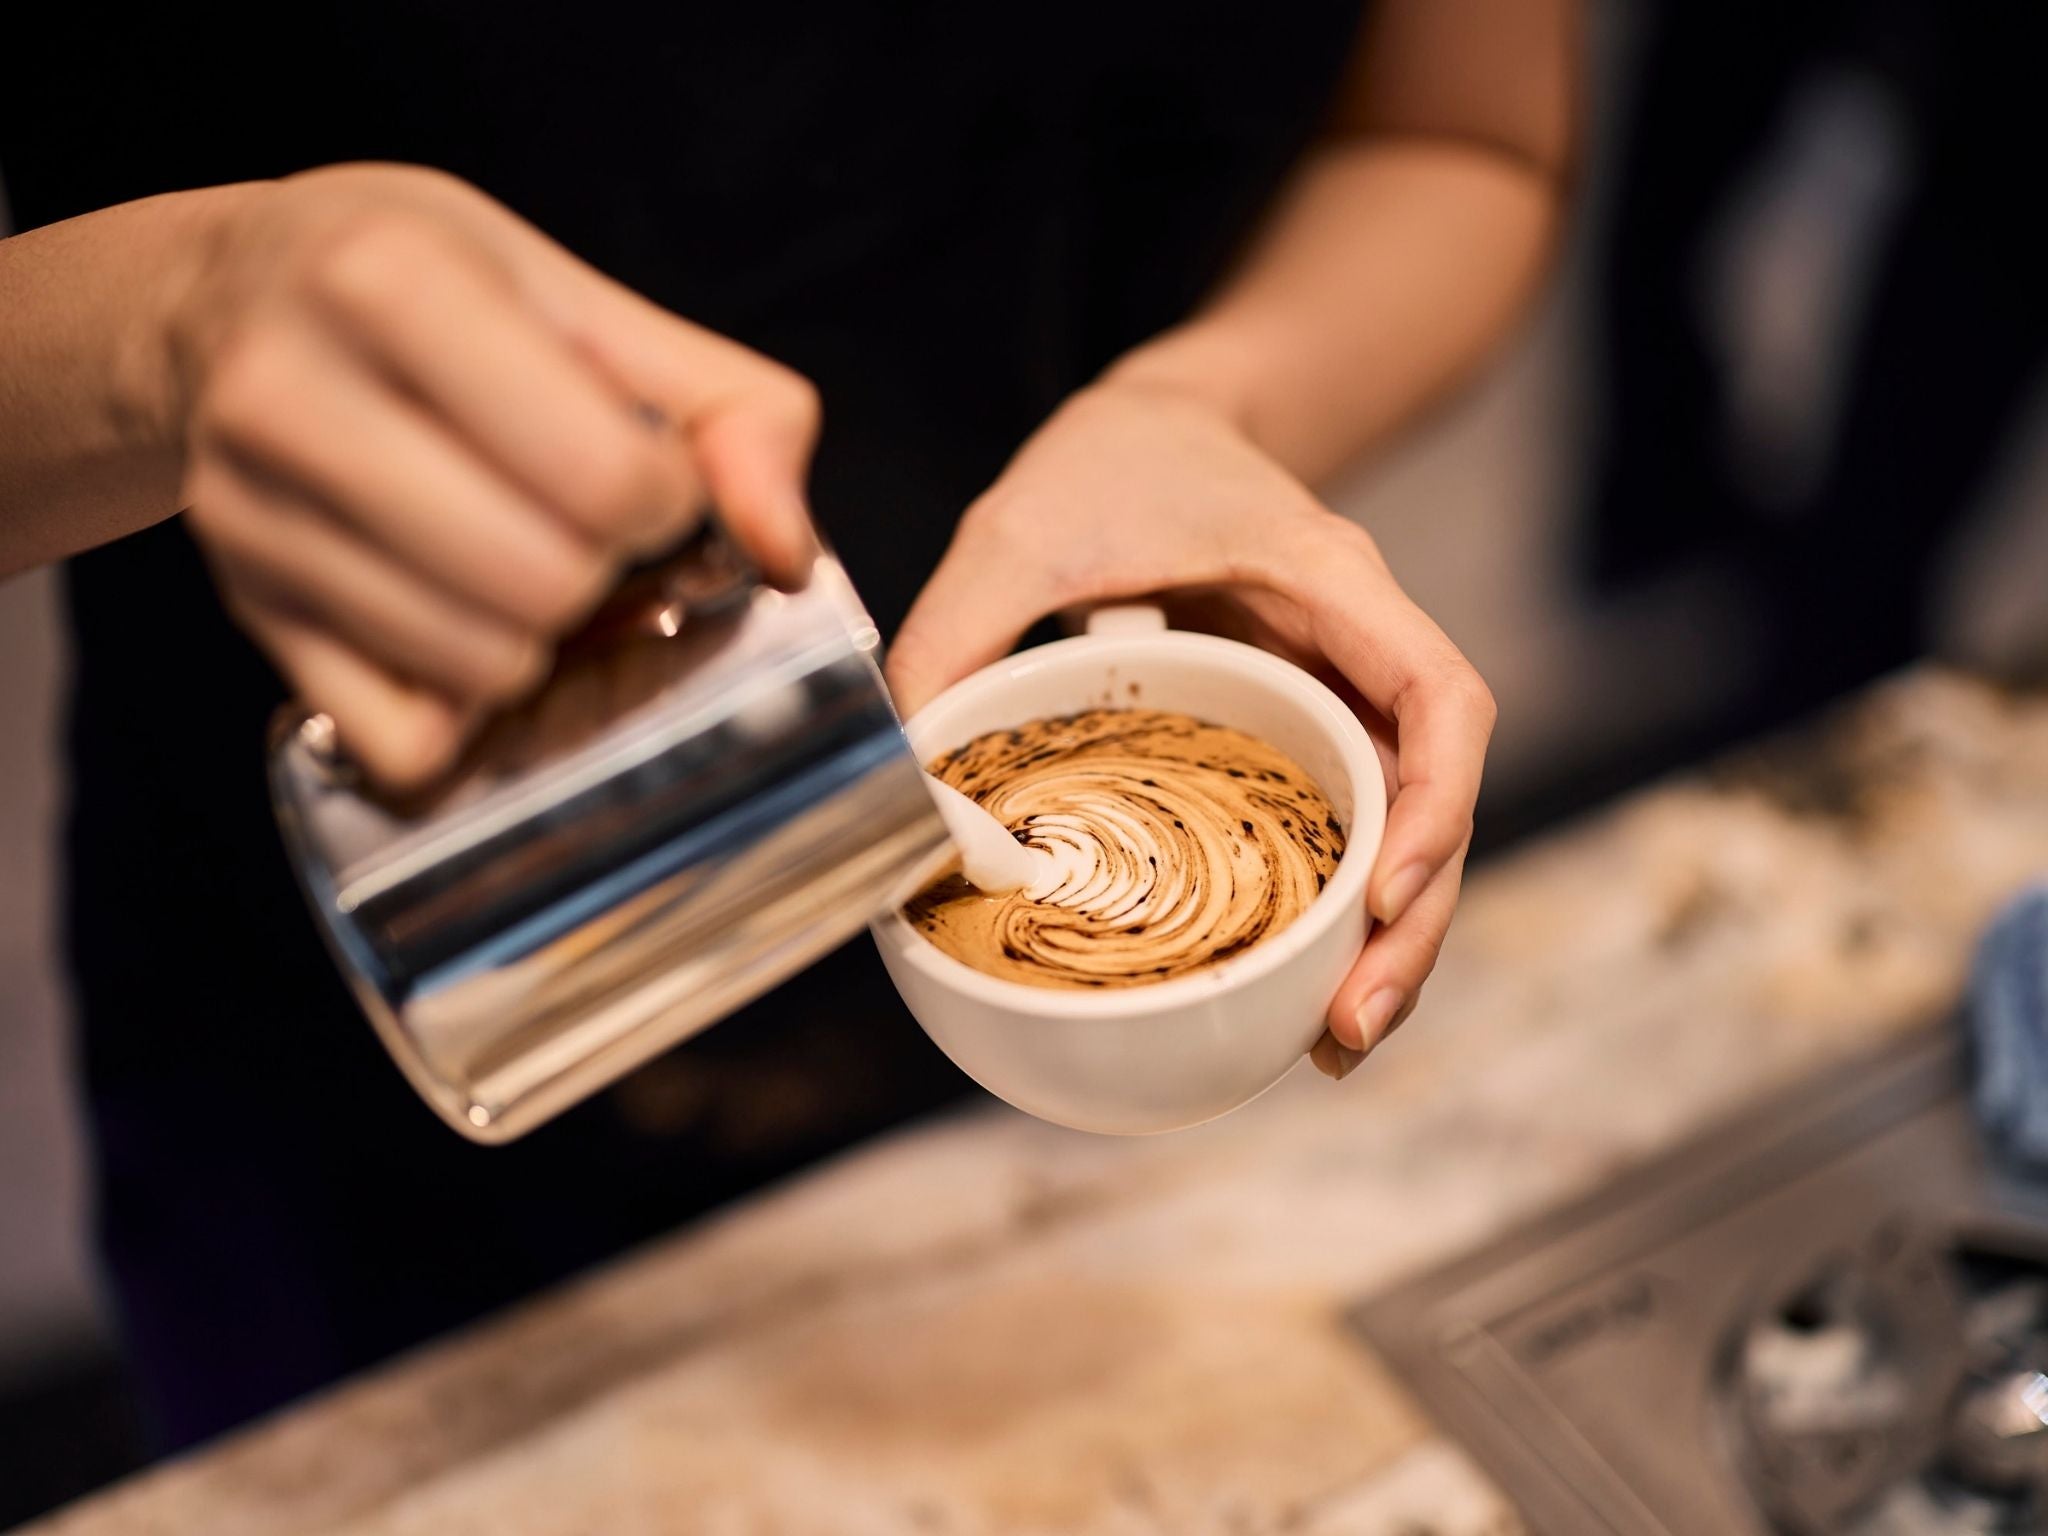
x=989, y=1325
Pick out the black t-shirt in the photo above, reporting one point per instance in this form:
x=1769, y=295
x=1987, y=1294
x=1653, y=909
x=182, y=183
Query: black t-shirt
x=948, y=215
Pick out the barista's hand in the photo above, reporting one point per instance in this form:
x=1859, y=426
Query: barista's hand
x=1134, y=489
x=420, y=439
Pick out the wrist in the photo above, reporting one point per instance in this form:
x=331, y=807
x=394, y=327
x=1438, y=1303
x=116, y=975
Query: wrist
x=153, y=374
x=1198, y=364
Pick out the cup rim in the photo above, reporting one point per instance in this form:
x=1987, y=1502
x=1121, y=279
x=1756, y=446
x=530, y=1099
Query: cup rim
x=1345, y=887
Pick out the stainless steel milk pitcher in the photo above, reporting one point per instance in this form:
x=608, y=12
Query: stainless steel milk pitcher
x=711, y=792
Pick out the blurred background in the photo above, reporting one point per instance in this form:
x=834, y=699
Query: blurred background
x=1779, y=426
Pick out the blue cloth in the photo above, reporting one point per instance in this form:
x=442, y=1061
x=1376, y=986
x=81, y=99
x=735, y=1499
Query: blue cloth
x=2008, y=1022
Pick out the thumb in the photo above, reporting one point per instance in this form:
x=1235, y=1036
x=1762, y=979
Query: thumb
x=976, y=606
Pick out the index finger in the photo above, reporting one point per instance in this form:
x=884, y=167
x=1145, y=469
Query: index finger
x=751, y=422
x=1443, y=714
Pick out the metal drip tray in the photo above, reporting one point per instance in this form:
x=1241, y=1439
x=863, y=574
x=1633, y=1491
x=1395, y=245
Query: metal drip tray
x=1829, y=1318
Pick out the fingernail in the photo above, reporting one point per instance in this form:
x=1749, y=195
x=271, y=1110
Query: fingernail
x=1376, y=1014
x=1347, y=1062
x=1399, y=891
x=1407, y=1012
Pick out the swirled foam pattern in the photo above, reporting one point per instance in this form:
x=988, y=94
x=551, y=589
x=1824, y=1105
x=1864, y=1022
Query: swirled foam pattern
x=1163, y=844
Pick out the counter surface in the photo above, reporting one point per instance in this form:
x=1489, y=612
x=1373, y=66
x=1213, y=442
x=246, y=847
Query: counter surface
x=987, y=1324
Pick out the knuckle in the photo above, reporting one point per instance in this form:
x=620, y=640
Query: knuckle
x=774, y=392
x=1487, y=706
x=516, y=666
x=240, y=605
x=219, y=534
x=429, y=178
x=406, y=757
x=1429, y=944
x=1457, y=677
x=1017, y=530
x=410, y=747
x=1349, y=530
x=1414, y=943
x=572, y=587
x=995, y=534
x=998, y=524
x=372, y=260
x=1320, y=533
x=679, y=514
x=615, y=491
x=1467, y=824
x=205, y=501
x=799, y=400
x=252, y=386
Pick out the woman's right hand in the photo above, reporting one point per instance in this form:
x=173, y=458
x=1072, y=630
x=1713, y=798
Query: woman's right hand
x=420, y=439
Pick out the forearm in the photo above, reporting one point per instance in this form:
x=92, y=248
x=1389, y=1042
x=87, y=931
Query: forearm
x=89, y=449
x=1390, y=266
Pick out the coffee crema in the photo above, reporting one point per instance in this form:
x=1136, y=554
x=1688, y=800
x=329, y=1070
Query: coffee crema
x=1164, y=843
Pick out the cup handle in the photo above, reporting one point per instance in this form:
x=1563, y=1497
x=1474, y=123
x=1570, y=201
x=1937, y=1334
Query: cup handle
x=1126, y=619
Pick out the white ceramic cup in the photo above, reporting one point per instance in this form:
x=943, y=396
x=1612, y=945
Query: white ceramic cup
x=1164, y=1055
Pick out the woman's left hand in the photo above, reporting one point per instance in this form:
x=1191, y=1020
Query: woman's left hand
x=1139, y=489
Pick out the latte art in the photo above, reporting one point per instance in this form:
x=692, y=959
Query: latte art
x=1162, y=844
